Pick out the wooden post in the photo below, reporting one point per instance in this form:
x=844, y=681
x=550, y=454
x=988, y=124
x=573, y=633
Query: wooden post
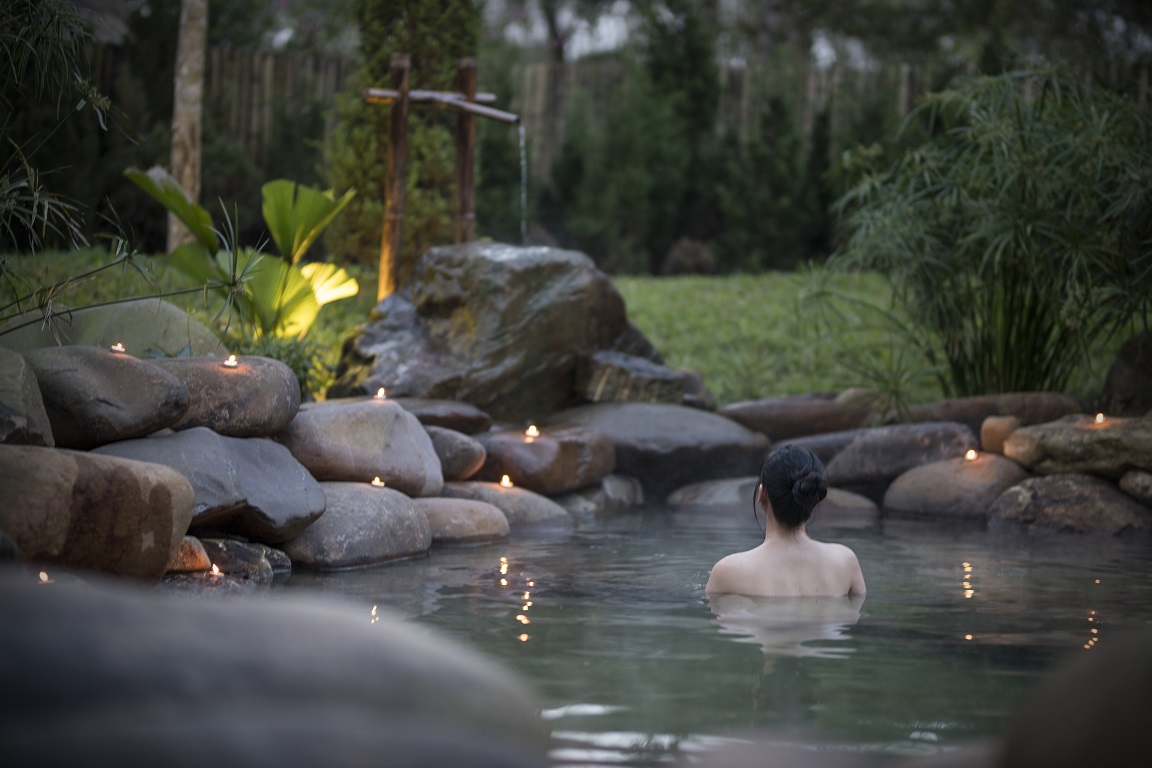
x=465, y=230
x=397, y=175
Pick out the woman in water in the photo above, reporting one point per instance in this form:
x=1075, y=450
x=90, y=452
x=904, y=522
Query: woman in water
x=789, y=564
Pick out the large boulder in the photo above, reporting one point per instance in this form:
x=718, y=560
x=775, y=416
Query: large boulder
x=463, y=521
x=104, y=674
x=667, y=446
x=550, y=462
x=359, y=440
x=145, y=328
x=363, y=525
x=23, y=420
x=94, y=396
x=614, y=493
x=522, y=508
x=952, y=489
x=497, y=326
x=460, y=456
x=1028, y=407
x=256, y=397
x=449, y=414
x=90, y=512
x=1070, y=503
x=782, y=418
x=866, y=461
x=247, y=486
x=1077, y=444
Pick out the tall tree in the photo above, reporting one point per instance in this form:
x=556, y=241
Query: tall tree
x=187, y=108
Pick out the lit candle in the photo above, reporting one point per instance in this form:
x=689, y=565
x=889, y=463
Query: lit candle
x=380, y=395
x=532, y=431
x=970, y=456
x=44, y=578
x=376, y=481
x=216, y=572
x=117, y=347
x=231, y=362
x=1099, y=418
x=506, y=481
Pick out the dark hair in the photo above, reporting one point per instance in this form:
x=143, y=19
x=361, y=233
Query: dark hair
x=794, y=481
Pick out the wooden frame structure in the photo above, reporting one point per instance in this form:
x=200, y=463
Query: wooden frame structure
x=469, y=104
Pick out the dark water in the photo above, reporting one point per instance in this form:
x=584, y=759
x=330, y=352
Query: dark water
x=611, y=626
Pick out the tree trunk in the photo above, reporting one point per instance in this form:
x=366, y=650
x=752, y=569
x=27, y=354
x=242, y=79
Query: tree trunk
x=187, y=108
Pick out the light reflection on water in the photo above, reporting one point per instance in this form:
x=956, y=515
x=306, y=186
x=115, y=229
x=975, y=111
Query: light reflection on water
x=611, y=626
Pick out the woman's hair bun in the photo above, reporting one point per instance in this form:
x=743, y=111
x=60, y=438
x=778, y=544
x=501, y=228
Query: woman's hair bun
x=811, y=485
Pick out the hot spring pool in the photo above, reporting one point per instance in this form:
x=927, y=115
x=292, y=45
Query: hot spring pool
x=611, y=626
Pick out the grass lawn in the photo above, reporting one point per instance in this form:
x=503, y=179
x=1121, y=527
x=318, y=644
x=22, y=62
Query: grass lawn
x=751, y=336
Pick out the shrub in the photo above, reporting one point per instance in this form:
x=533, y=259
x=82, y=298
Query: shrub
x=1019, y=234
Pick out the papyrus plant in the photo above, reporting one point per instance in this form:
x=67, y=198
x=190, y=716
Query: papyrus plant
x=1019, y=234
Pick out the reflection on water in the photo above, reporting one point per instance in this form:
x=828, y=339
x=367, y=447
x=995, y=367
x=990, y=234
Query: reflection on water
x=635, y=666
x=799, y=627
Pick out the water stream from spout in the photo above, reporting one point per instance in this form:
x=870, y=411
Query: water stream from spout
x=523, y=187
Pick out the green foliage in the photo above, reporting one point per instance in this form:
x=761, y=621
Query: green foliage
x=43, y=83
x=1019, y=235
x=436, y=35
x=768, y=202
x=274, y=296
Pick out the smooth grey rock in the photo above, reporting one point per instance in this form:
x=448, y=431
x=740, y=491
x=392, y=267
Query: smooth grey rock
x=494, y=325
x=363, y=525
x=1138, y=484
x=111, y=676
x=358, y=440
x=872, y=458
x=1070, y=504
x=1077, y=444
x=463, y=521
x=450, y=414
x=256, y=398
x=91, y=512
x=23, y=420
x=247, y=486
x=614, y=493
x=1029, y=407
x=460, y=456
x=668, y=446
x=95, y=396
x=615, y=377
x=952, y=489
x=521, y=507
x=146, y=328
x=782, y=418
x=557, y=460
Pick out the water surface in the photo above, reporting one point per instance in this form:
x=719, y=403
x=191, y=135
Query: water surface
x=611, y=625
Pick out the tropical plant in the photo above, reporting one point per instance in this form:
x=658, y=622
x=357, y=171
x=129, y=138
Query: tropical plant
x=1019, y=234
x=280, y=297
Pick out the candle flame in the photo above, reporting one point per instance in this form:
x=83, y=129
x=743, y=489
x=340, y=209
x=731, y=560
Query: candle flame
x=532, y=431
x=376, y=481
x=44, y=577
x=1099, y=418
x=970, y=456
x=216, y=570
x=506, y=481
x=380, y=394
x=117, y=347
x=524, y=638
x=231, y=362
